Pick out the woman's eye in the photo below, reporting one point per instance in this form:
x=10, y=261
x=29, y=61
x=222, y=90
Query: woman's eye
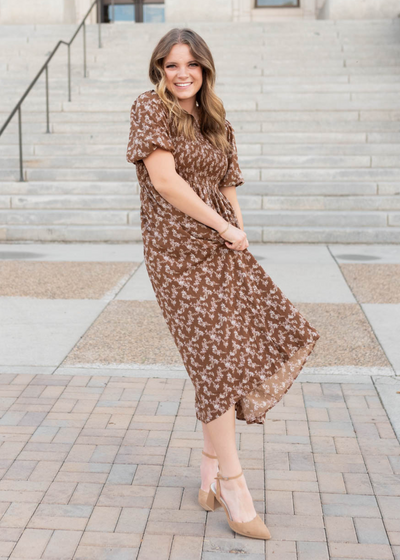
x=191, y=64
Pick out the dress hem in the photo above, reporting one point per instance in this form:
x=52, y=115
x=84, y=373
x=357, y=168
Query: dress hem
x=235, y=398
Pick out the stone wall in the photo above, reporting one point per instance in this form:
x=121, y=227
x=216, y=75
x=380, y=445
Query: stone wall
x=36, y=11
x=206, y=10
x=180, y=11
x=361, y=9
x=44, y=11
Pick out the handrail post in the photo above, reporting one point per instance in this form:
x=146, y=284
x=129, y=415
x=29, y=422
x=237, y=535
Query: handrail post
x=113, y=11
x=99, y=18
x=69, y=72
x=21, y=171
x=44, y=68
x=84, y=49
x=47, y=100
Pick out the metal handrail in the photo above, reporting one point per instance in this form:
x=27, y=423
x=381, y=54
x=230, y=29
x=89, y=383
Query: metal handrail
x=45, y=69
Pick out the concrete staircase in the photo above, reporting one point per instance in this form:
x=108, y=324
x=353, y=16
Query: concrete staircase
x=315, y=106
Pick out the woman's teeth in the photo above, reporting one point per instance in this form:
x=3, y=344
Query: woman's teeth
x=184, y=85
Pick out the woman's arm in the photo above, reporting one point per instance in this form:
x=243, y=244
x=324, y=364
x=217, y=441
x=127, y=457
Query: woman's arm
x=230, y=193
x=171, y=186
x=161, y=167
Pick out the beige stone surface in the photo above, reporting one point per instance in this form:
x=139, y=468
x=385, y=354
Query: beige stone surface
x=63, y=280
x=347, y=338
x=127, y=332
x=373, y=283
x=135, y=332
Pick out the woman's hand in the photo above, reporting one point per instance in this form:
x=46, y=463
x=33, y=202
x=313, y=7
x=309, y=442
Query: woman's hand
x=235, y=238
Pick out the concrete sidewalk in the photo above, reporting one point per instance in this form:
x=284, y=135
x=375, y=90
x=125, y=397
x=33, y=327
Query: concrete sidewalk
x=100, y=447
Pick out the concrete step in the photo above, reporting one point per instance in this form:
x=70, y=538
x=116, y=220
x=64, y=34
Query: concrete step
x=270, y=63
x=70, y=188
x=250, y=174
x=256, y=85
x=223, y=78
x=75, y=162
x=299, y=70
x=268, y=149
x=358, y=174
x=261, y=84
x=314, y=104
x=89, y=233
x=66, y=217
x=248, y=190
x=247, y=202
x=261, y=161
x=314, y=218
x=71, y=202
x=287, y=234
x=365, y=136
x=79, y=121
x=331, y=203
x=307, y=234
x=369, y=166
x=348, y=131
x=309, y=188
x=105, y=175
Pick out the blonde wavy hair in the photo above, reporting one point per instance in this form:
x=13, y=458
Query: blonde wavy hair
x=212, y=111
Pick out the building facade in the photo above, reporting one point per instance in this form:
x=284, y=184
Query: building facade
x=178, y=11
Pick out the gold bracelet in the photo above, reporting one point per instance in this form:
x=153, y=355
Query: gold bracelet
x=224, y=229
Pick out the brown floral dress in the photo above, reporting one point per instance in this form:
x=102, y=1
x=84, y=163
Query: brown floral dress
x=242, y=341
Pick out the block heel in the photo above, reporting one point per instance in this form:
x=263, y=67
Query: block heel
x=204, y=497
x=254, y=528
x=211, y=501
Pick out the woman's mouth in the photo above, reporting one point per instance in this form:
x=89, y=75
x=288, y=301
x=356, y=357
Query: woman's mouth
x=183, y=85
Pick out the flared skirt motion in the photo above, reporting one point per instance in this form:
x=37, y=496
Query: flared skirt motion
x=242, y=341
x=253, y=407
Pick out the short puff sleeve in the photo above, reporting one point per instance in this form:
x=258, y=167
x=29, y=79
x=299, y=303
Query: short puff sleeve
x=149, y=127
x=233, y=176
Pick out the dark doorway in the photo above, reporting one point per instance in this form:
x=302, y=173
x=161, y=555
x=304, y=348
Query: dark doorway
x=139, y=11
x=277, y=3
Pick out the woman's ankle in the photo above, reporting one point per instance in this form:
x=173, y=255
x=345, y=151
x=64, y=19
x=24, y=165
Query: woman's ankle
x=213, y=458
x=234, y=484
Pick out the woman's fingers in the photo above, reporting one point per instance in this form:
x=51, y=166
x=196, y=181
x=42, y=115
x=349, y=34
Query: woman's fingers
x=238, y=247
x=237, y=244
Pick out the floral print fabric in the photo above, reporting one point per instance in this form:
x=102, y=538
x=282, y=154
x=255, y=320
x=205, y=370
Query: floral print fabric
x=242, y=341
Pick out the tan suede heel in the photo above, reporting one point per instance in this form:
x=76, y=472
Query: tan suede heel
x=203, y=495
x=254, y=528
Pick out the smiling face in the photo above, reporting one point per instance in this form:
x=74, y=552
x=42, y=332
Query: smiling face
x=183, y=74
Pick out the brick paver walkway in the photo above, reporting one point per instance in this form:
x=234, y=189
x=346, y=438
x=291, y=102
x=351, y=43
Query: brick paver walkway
x=108, y=468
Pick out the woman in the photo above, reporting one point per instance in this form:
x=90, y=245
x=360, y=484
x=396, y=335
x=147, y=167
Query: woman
x=241, y=340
